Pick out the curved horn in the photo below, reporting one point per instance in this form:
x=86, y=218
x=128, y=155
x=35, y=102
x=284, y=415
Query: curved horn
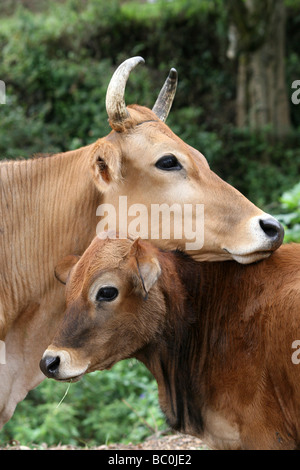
x=166, y=96
x=115, y=103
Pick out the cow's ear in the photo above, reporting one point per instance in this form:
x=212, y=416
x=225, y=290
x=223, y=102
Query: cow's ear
x=145, y=265
x=63, y=268
x=105, y=164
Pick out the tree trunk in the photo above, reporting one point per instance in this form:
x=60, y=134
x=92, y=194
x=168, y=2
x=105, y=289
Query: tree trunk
x=242, y=92
x=262, y=98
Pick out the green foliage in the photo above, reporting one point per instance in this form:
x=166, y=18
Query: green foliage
x=59, y=86
x=110, y=406
x=290, y=215
x=258, y=166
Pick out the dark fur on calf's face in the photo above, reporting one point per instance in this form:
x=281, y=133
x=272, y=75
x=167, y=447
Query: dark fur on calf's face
x=102, y=331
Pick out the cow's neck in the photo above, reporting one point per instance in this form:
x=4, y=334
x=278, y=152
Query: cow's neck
x=180, y=359
x=48, y=208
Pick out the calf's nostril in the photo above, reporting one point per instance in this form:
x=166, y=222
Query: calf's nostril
x=49, y=365
x=54, y=364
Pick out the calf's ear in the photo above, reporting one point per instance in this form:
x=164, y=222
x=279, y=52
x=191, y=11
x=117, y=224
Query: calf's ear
x=105, y=164
x=63, y=268
x=145, y=265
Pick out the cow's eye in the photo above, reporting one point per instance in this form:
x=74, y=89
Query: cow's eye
x=107, y=294
x=168, y=163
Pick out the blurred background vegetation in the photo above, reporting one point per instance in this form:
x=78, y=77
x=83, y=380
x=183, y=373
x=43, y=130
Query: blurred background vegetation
x=236, y=60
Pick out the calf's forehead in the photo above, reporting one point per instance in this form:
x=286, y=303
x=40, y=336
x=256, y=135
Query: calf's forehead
x=102, y=255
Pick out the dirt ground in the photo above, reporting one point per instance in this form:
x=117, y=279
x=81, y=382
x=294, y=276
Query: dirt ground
x=171, y=442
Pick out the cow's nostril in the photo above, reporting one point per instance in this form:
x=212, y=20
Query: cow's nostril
x=49, y=365
x=272, y=228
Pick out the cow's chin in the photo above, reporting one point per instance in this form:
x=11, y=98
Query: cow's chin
x=252, y=257
x=227, y=255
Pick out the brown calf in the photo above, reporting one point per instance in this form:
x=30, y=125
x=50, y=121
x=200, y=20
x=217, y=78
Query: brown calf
x=219, y=338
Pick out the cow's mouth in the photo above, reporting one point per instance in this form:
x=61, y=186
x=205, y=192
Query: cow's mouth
x=249, y=257
x=75, y=378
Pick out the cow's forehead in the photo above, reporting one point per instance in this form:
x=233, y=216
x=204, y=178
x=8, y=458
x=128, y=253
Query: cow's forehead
x=157, y=135
x=147, y=132
x=156, y=132
x=151, y=140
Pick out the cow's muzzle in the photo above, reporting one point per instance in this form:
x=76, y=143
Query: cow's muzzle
x=273, y=230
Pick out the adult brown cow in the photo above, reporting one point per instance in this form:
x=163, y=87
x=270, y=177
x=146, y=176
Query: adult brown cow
x=49, y=207
x=221, y=339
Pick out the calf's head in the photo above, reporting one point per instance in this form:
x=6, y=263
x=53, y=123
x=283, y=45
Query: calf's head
x=146, y=172
x=114, y=307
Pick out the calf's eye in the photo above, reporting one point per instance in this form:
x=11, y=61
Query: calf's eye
x=168, y=163
x=107, y=294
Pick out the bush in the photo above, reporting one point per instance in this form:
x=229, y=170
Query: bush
x=260, y=167
x=69, y=53
x=290, y=215
x=120, y=405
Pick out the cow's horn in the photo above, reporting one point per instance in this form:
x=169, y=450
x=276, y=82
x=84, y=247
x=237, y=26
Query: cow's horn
x=115, y=103
x=166, y=96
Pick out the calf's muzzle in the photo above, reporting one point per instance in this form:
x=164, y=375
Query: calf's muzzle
x=60, y=364
x=49, y=365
